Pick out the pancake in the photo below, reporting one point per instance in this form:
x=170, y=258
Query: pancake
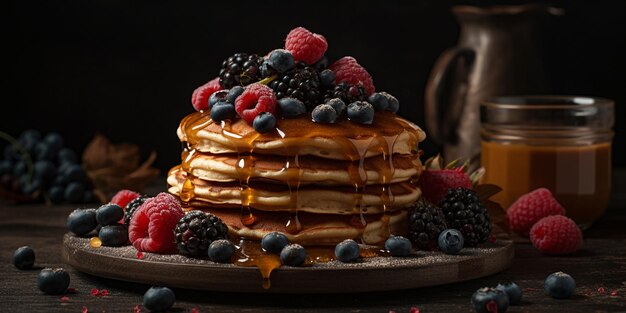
x=345, y=200
x=301, y=170
x=316, y=229
x=343, y=140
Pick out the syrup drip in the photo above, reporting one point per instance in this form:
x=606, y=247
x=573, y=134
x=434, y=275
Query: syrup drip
x=358, y=177
x=250, y=254
x=292, y=168
x=244, y=166
x=387, y=144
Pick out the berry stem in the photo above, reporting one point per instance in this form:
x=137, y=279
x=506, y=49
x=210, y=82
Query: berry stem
x=268, y=80
x=25, y=155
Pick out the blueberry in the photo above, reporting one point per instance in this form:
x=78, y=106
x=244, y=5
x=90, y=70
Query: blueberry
x=281, y=60
x=222, y=111
x=45, y=171
x=54, y=141
x=482, y=298
x=113, y=235
x=327, y=78
x=159, y=299
x=513, y=291
x=293, y=255
x=30, y=135
x=321, y=64
x=378, y=101
x=66, y=155
x=20, y=169
x=53, y=281
x=274, y=242
x=217, y=97
x=291, y=107
x=73, y=173
x=347, y=251
x=450, y=241
x=398, y=246
x=24, y=257
x=338, y=105
x=74, y=192
x=6, y=167
x=234, y=93
x=221, y=250
x=266, y=70
x=56, y=194
x=324, y=113
x=392, y=103
x=29, y=187
x=43, y=151
x=560, y=285
x=109, y=214
x=361, y=112
x=264, y=122
x=82, y=221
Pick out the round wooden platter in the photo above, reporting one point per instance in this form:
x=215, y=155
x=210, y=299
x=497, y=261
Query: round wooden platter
x=371, y=274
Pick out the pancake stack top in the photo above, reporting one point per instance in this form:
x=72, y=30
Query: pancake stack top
x=317, y=180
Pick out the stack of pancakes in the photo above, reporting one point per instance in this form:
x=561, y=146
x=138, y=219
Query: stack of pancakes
x=316, y=183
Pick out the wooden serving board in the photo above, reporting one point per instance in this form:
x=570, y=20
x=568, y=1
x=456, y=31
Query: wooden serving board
x=371, y=274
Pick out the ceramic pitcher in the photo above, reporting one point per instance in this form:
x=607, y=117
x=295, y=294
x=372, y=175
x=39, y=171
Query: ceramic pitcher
x=497, y=54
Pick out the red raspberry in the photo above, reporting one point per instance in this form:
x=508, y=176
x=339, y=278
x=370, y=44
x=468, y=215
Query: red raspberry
x=152, y=226
x=255, y=99
x=556, y=234
x=349, y=71
x=200, y=96
x=124, y=196
x=530, y=208
x=305, y=45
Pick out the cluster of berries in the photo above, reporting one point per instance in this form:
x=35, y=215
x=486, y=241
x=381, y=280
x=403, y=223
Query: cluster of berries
x=557, y=285
x=459, y=219
x=139, y=220
x=107, y=220
x=346, y=251
x=539, y=215
x=290, y=82
x=40, y=167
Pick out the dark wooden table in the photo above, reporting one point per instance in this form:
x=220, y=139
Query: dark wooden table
x=599, y=269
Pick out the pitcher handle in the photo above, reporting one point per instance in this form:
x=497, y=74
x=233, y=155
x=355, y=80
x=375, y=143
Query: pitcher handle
x=442, y=127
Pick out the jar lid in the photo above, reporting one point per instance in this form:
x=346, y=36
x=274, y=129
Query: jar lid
x=548, y=113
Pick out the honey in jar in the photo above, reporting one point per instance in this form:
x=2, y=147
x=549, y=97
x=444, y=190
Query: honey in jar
x=561, y=143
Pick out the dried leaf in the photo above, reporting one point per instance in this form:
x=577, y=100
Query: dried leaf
x=96, y=153
x=112, y=167
x=498, y=218
x=485, y=191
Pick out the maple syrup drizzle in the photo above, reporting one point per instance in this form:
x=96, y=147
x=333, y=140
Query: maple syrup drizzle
x=250, y=254
x=358, y=177
x=294, y=173
x=387, y=147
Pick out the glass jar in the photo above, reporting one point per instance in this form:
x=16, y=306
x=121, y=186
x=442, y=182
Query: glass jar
x=562, y=143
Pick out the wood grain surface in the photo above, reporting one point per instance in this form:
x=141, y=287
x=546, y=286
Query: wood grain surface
x=601, y=263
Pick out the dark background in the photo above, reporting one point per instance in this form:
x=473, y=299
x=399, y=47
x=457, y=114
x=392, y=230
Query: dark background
x=127, y=69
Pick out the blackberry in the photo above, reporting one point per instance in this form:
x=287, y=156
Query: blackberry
x=346, y=92
x=131, y=207
x=426, y=222
x=196, y=231
x=301, y=83
x=464, y=211
x=240, y=69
